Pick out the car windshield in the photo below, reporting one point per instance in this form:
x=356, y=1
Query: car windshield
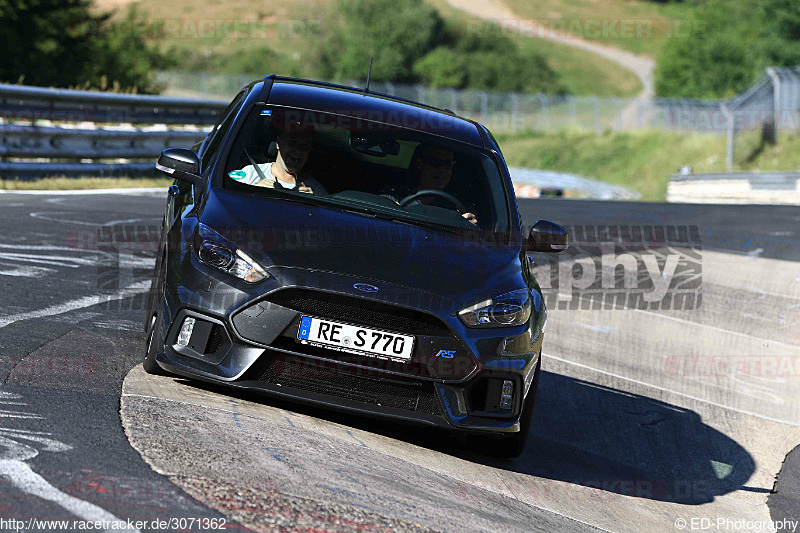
x=346, y=163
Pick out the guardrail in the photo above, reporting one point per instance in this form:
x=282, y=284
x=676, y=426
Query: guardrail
x=40, y=125
x=736, y=188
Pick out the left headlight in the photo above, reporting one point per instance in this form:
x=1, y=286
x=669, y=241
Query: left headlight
x=216, y=251
x=510, y=309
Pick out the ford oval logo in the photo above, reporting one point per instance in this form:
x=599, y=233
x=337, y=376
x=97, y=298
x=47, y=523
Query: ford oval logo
x=365, y=287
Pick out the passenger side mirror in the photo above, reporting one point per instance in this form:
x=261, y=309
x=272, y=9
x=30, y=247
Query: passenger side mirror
x=546, y=236
x=181, y=164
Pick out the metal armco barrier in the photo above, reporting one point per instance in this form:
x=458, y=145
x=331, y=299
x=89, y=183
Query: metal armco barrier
x=736, y=188
x=72, y=126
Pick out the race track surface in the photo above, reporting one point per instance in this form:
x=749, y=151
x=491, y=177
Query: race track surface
x=646, y=417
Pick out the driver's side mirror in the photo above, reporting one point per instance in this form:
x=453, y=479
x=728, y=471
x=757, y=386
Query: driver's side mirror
x=546, y=236
x=181, y=164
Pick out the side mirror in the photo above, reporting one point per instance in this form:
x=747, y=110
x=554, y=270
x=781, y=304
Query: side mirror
x=181, y=164
x=546, y=236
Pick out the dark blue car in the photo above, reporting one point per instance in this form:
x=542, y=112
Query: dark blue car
x=356, y=251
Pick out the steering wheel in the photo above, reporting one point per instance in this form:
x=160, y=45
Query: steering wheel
x=439, y=194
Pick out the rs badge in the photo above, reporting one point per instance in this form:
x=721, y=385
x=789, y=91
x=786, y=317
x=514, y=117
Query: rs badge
x=447, y=354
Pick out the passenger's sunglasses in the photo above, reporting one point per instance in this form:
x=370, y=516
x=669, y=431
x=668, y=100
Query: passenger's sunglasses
x=436, y=162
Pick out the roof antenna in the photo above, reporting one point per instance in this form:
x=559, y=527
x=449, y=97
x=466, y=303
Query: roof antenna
x=369, y=74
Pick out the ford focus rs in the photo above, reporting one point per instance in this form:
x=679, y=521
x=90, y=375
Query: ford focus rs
x=355, y=251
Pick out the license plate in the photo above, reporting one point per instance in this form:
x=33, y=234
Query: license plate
x=354, y=339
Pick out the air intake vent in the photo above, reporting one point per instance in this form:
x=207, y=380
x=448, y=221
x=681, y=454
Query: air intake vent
x=340, y=381
x=216, y=339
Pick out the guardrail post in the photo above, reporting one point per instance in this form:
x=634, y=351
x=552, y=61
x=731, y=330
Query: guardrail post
x=729, y=148
x=514, y=112
x=596, y=114
x=542, y=110
x=571, y=107
x=776, y=101
x=484, y=105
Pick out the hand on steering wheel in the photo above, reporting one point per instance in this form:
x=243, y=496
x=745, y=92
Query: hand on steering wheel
x=433, y=192
x=470, y=217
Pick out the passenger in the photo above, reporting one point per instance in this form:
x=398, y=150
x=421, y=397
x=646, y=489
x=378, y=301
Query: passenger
x=431, y=169
x=294, y=146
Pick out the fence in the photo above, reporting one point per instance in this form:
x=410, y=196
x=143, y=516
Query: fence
x=53, y=128
x=749, y=120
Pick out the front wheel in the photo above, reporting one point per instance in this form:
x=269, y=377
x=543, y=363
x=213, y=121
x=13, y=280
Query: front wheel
x=149, y=364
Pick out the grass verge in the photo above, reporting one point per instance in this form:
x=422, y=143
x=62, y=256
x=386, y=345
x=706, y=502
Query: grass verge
x=61, y=184
x=642, y=161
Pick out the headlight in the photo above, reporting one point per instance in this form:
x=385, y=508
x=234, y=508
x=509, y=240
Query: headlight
x=216, y=251
x=510, y=309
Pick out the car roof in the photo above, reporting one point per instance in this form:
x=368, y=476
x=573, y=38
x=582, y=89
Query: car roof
x=356, y=103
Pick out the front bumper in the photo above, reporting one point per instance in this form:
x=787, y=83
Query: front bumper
x=253, y=347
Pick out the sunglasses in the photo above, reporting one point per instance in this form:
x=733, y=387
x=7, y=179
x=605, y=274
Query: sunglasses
x=436, y=162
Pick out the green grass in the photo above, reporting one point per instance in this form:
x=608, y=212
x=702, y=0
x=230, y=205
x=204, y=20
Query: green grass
x=61, y=184
x=640, y=26
x=580, y=72
x=642, y=161
x=583, y=73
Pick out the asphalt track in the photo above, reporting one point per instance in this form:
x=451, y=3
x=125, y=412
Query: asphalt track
x=623, y=439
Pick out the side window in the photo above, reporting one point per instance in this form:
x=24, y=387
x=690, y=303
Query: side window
x=219, y=131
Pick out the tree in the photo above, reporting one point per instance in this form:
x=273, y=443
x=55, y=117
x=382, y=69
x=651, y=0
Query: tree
x=61, y=43
x=395, y=33
x=730, y=44
x=442, y=67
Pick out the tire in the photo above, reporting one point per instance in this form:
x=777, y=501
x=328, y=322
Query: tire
x=155, y=307
x=149, y=364
x=512, y=446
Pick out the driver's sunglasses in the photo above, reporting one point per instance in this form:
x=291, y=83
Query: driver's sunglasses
x=436, y=162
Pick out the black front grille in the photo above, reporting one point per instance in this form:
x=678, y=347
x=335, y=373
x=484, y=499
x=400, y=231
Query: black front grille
x=215, y=339
x=359, y=311
x=343, y=382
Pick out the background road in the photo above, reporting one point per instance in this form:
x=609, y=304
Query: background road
x=623, y=439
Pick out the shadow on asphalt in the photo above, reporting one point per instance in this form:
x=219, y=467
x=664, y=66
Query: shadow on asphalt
x=587, y=435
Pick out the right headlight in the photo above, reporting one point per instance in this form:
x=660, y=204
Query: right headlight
x=510, y=309
x=216, y=251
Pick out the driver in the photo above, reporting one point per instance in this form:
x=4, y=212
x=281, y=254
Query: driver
x=294, y=146
x=431, y=169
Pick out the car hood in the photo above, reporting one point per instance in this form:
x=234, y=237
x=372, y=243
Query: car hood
x=280, y=233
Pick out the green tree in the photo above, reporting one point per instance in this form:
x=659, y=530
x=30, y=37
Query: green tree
x=442, y=67
x=395, y=33
x=730, y=44
x=61, y=43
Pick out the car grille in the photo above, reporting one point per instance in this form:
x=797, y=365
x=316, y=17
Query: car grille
x=341, y=382
x=215, y=339
x=359, y=311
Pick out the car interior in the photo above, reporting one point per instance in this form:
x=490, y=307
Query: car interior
x=369, y=166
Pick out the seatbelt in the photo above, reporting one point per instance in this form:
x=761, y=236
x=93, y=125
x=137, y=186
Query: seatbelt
x=258, y=170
